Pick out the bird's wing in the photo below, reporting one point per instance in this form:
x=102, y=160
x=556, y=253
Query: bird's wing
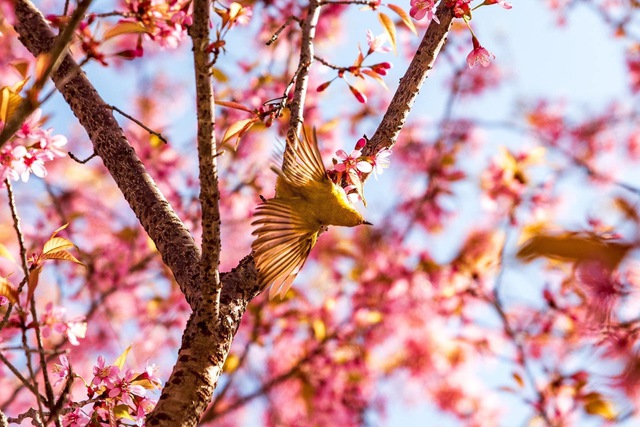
x=306, y=163
x=282, y=245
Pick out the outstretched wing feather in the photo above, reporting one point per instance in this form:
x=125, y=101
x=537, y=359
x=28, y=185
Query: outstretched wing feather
x=306, y=163
x=282, y=245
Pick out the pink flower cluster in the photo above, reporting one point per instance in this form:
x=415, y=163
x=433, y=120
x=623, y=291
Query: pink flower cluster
x=421, y=8
x=353, y=167
x=28, y=151
x=112, y=387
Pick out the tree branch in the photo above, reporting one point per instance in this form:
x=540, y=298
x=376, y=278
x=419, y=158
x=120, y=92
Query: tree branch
x=409, y=87
x=207, y=160
x=205, y=346
x=175, y=244
x=302, y=75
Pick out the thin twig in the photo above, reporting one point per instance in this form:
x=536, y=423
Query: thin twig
x=139, y=123
x=82, y=162
x=14, y=371
x=34, y=315
x=302, y=76
x=496, y=302
x=275, y=35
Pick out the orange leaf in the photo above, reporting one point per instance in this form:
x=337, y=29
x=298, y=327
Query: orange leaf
x=572, y=247
x=61, y=256
x=22, y=66
x=32, y=283
x=9, y=101
x=8, y=291
x=43, y=63
x=406, y=20
x=238, y=129
x=125, y=27
x=56, y=244
x=375, y=76
x=627, y=209
x=390, y=29
x=231, y=364
x=4, y=253
x=595, y=404
x=516, y=376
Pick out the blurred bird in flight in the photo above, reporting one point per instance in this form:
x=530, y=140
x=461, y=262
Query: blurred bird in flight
x=306, y=201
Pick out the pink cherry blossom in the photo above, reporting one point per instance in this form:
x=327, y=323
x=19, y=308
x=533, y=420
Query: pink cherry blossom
x=124, y=390
x=421, y=8
x=75, y=418
x=505, y=4
x=102, y=373
x=381, y=161
x=376, y=43
x=61, y=371
x=352, y=161
x=479, y=55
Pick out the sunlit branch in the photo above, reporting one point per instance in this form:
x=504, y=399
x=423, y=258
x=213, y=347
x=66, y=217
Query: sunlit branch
x=302, y=75
x=410, y=84
x=211, y=411
x=209, y=282
x=139, y=123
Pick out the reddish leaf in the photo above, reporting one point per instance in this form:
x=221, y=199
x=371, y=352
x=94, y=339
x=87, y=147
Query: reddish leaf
x=323, y=86
x=235, y=105
x=359, y=95
x=238, y=129
x=125, y=27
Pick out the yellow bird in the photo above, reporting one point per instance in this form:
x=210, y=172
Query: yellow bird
x=306, y=200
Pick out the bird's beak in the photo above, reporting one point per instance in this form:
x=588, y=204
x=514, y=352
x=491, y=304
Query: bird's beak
x=366, y=223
